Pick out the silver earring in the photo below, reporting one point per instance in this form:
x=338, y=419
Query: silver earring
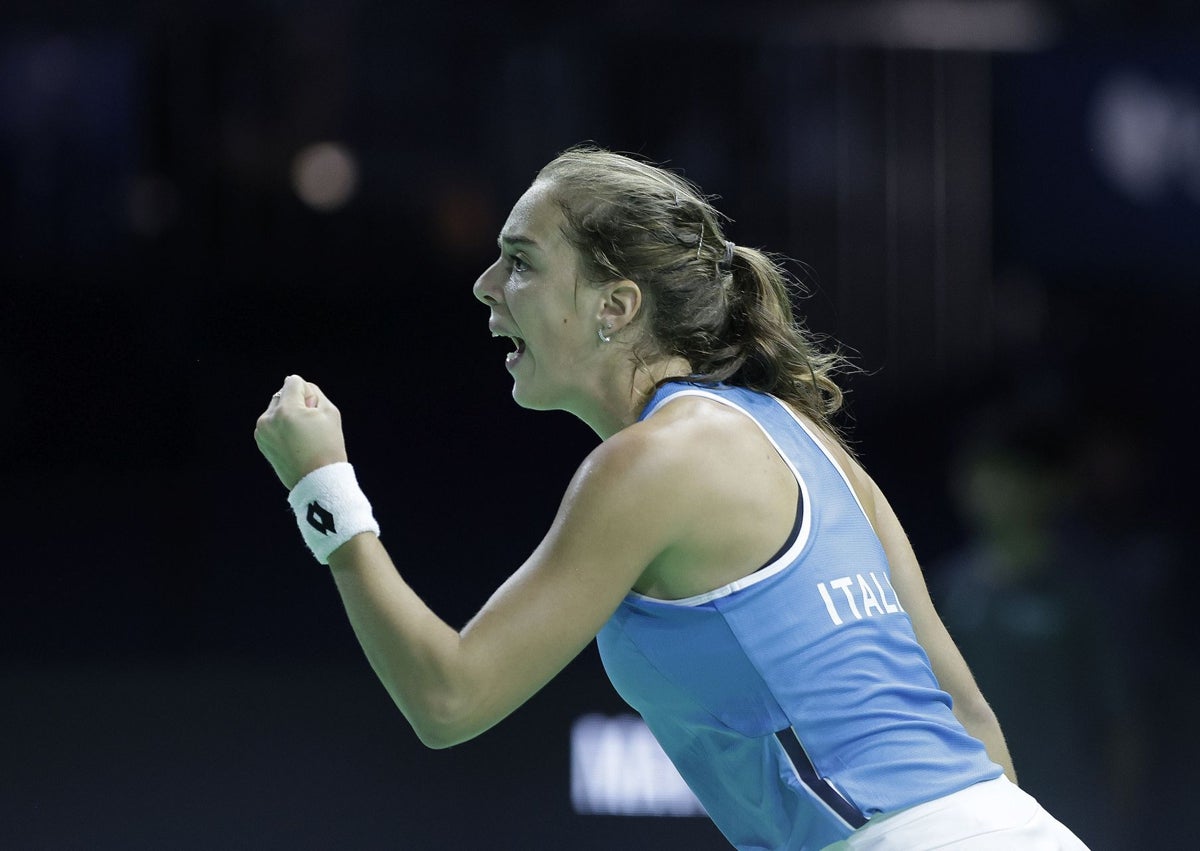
x=601, y=331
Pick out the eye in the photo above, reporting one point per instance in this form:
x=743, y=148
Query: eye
x=518, y=264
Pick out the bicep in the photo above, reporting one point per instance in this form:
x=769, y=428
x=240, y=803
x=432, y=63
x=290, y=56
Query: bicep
x=609, y=527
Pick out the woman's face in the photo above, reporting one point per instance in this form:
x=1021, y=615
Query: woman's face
x=537, y=299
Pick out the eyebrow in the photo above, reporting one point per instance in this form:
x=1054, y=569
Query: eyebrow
x=516, y=239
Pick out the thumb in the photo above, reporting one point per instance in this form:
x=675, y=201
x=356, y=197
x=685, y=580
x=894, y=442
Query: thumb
x=293, y=390
x=314, y=397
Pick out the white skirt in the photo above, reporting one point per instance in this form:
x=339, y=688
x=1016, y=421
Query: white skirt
x=991, y=816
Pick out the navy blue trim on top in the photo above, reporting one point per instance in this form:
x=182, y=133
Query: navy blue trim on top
x=794, y=534
x=818, y=785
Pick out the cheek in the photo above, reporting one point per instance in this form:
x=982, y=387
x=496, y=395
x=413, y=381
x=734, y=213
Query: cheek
x=547, y=313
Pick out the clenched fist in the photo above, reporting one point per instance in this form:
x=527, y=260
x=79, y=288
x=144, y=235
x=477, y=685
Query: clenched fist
x=300, y=431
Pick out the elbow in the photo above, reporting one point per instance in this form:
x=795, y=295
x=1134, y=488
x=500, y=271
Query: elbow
x=441, y=724
x=433, y=739
x=438, y=735
x=443, y=706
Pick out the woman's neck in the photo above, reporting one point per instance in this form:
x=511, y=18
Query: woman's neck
x=621, y=398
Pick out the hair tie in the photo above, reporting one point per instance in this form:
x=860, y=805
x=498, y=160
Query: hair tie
x=727, y=260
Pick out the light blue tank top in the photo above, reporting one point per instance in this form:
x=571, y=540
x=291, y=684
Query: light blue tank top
x=796, y=701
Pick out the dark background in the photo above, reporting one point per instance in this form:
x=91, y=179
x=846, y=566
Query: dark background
x=995, y=208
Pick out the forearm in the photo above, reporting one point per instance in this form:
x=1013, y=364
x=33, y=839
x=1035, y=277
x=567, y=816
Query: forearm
x=414, y=653
x=980, y=721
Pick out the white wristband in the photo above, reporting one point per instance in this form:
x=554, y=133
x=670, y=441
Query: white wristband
x=331, y=509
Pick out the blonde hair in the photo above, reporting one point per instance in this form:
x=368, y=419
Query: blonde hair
x=732, y=321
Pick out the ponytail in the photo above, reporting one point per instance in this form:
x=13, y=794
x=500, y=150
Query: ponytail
x=765, y=347
x=725, y=309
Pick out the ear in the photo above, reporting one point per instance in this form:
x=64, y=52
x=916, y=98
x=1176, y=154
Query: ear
x=621, y=303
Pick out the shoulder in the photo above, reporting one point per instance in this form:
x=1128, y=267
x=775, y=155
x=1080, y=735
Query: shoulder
x=658, y=463
x=681, y=436
x=693, y=455
x=634, y=496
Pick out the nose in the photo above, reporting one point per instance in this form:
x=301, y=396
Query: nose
x=486, y=287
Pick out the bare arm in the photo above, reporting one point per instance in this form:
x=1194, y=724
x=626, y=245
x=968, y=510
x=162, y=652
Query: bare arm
x=454, y=685
x=451, y=685
x=951, y=670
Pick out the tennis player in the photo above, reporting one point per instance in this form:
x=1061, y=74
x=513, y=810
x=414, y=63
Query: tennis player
x=753, y=595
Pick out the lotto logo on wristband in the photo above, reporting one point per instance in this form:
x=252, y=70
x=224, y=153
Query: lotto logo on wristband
x=332, y=485
x=320, y=519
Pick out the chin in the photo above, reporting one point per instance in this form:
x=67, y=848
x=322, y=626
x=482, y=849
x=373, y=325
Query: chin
x=533, y=401
x=526, y=400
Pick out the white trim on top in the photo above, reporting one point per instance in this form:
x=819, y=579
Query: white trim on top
x=821, y=445
x=774, y=567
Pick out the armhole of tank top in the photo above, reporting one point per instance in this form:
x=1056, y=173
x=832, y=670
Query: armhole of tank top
x=797, y=539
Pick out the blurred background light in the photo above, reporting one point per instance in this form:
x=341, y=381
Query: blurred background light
x=1010, y=25
x=1146, y=135
x=325, y=176
x=619, y=769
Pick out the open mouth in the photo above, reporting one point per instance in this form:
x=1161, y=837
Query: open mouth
x=518, y=348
